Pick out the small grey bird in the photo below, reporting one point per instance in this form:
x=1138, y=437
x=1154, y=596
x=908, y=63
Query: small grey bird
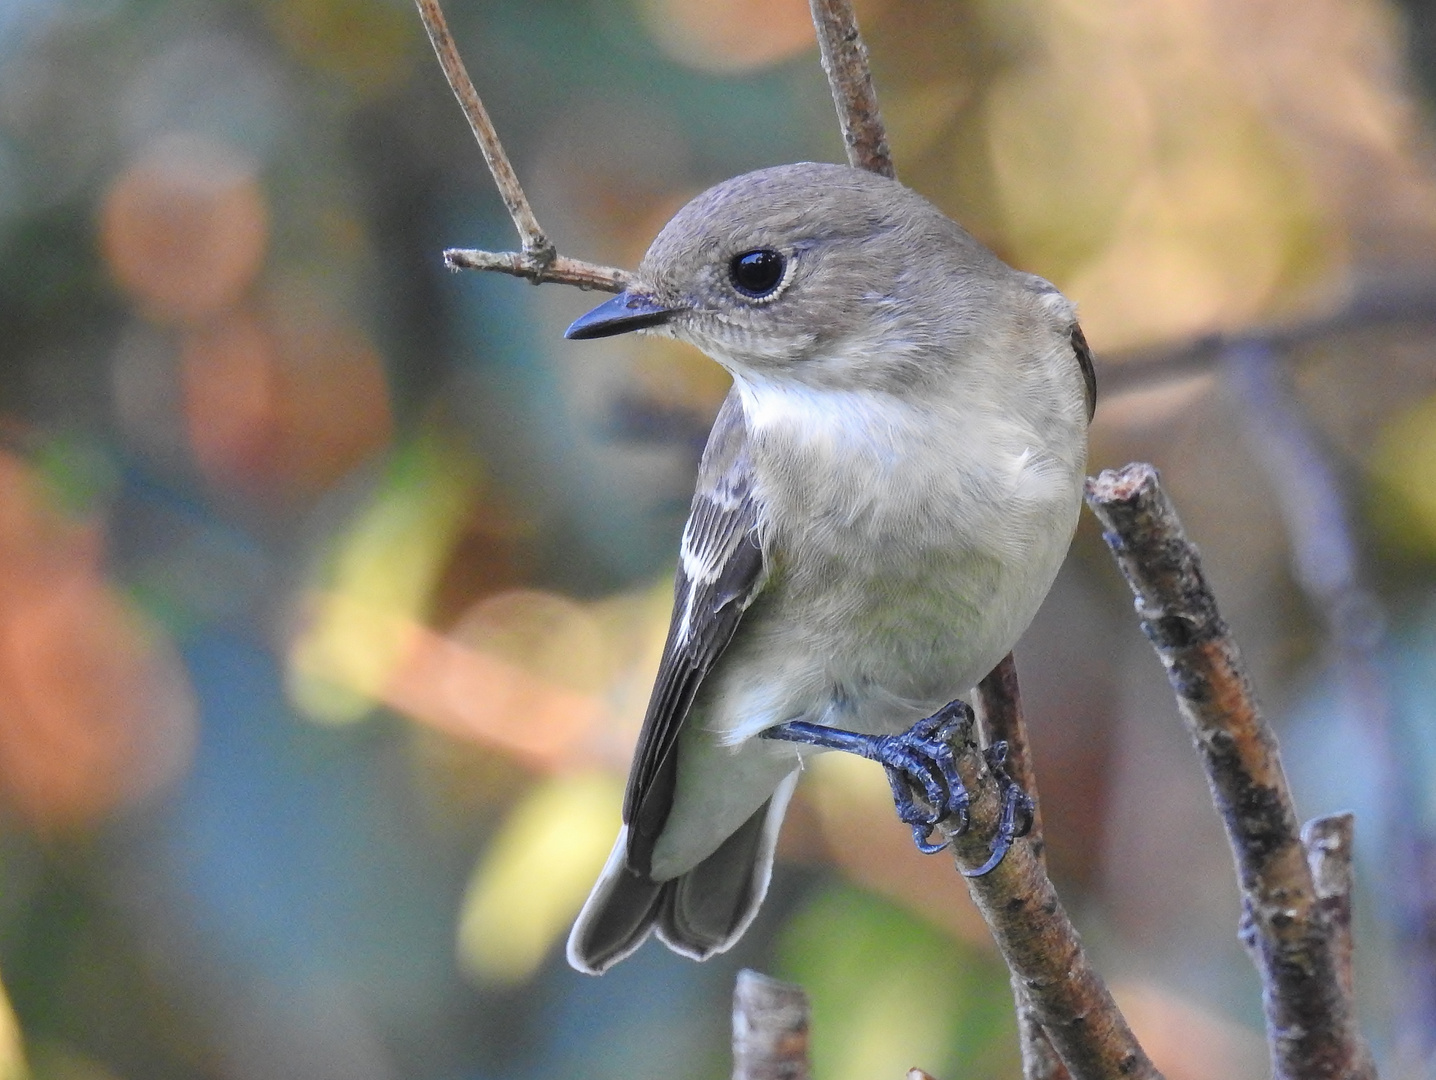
x=884, y=501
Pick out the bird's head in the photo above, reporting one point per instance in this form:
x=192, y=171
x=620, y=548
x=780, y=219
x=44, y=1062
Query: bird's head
x=821, y=273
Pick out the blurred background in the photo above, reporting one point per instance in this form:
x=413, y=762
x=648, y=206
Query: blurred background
x=331, y=583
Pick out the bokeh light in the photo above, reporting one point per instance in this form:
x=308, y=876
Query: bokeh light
x=185, y=228
x=536, y=874
x=97, y=712
x=282, y=403
x=734, y=35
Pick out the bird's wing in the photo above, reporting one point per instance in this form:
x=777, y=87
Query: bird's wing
x=1089, y=372
x=720, y=572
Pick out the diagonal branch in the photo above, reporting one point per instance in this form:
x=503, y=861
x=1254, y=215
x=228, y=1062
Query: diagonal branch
x=1296, y=934
x=539, y=261
x=1060, y=987
x=999, y=708
x=1326, y=558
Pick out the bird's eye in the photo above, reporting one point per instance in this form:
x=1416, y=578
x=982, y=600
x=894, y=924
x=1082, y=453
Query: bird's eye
x=757, y=274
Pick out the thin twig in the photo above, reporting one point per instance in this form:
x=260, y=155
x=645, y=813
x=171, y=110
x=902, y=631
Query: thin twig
x=999, y=710
x=1311, y=1024
x=1038, y=940
x=539, y=261
x=533, y=238
x=845, y=62
x=770, y=1029
x=560, y=269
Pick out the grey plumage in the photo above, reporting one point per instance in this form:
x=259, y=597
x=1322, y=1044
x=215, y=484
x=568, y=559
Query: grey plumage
x=887, y=493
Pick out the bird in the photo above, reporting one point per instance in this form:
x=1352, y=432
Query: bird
x=887, y=493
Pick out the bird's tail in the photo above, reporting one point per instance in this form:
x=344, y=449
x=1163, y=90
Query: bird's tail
x=699, y=913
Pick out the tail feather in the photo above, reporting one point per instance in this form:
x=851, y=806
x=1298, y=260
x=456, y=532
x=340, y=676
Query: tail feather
x=618, y=915
x=699, y=914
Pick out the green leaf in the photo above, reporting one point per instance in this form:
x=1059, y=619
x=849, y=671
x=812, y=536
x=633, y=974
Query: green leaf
x=891, y=992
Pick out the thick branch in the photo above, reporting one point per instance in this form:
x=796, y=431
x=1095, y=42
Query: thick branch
x=845, y=62
x=1039, y=942
x=999, y=709
x=1310, y=1019
x=1326, y=557
x=770, y=1029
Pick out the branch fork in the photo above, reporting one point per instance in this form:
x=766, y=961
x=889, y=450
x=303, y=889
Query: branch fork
x=538, y=261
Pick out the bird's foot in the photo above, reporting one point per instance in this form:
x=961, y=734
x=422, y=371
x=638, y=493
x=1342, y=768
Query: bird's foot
x=921, y=765
x=919, y=762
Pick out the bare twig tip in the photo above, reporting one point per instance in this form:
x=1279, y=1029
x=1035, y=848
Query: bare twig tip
x=1123, y=485
x=770, y=1029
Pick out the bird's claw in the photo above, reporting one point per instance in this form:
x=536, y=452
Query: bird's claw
x=1018, y=811
x=921, y=761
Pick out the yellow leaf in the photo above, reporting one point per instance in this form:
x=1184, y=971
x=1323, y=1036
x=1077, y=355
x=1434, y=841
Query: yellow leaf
x=1405, y=466
x=380, y=581
x=12, y=1051
x=536, y=874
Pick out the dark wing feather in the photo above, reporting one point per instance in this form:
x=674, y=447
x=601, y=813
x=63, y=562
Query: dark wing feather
x=719, y=574
x=1089, y=372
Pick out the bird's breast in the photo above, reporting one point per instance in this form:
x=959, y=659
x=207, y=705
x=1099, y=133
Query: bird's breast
x=909, y=545
x=869, y=477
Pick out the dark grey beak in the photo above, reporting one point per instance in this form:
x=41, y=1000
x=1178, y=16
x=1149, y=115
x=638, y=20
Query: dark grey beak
x=627, y=311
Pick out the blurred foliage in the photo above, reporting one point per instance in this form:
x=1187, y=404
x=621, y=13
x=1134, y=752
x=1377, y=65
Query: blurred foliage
x=381, y=581
x=12, y=1053
x=536, y=874
x=890, y=992
x=1405, y=465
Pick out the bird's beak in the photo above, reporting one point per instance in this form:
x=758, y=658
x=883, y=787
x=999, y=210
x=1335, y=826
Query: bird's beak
x=629, y=310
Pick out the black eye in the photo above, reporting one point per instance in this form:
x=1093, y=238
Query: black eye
x=757, y=273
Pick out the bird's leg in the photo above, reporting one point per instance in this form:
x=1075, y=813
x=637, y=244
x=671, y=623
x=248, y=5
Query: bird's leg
x=920, y=761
